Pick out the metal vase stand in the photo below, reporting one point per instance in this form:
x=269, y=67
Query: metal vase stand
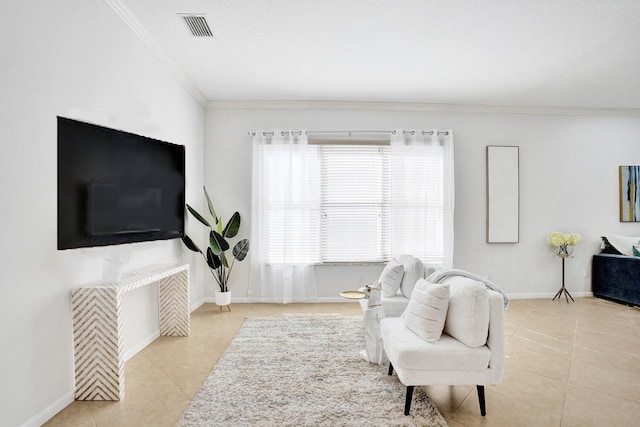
x=563, y=290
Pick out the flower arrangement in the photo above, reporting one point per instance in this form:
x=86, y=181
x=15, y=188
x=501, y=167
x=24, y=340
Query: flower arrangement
x=564, y=242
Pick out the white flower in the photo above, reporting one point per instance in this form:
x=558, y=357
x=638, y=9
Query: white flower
x=558, y=239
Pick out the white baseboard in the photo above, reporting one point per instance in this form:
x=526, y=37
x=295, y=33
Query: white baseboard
x=311, y=301
x=197, y=305
x=141, y=345
x=50, y=411
x=334, y=299
x=546, y=295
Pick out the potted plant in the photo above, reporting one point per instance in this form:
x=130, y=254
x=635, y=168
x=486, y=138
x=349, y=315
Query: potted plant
x=215, y=255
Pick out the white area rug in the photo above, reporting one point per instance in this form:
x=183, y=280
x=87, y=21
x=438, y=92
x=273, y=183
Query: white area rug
x=304, y=371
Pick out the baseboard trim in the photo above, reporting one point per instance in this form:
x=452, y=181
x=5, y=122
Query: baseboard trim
x=141, y=345
x=315, y=300
x=50, y=411
x=334, y=299
x=197, y=304
x=546, y=295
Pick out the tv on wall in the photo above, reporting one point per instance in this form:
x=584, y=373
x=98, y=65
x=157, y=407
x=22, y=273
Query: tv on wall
x=116, y=187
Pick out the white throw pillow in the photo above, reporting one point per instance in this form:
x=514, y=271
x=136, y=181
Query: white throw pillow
x=391, y=278
x=413, y=270
x=468, y=314
x=624, y=244
x=427, y=310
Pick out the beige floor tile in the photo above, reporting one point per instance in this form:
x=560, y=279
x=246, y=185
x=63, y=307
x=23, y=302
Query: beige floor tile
x=611, y=312
x=542, y=342
x=141, y=388
x=616, y=326
x=77, y=414
x=611, y=380
x=538, y=390
x=570, y=422
x=598, y=340
x=507, y=411
x=447, y=398
x=189, y=350
x=636, y=319
x=518, y=310
x=549, y=317
x=592, y=408
x=538, y=360
x=187, y=378
x=603, y=357
x=164, y=412
x=567, y=365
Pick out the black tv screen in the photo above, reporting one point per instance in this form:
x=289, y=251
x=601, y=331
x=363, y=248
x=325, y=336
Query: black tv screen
x=117, y=187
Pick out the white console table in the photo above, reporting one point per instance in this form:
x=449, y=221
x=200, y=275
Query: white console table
x=97, y=326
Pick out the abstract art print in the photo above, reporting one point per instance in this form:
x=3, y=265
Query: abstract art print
x=629, y=194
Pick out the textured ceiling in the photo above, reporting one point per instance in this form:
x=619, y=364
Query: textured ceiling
x=560, y=53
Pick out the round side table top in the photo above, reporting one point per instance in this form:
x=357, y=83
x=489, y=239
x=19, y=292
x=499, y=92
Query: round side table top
x=352, y=294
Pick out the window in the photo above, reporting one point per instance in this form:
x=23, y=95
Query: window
x=328, y=202
x=354, y=185
x=379, y=202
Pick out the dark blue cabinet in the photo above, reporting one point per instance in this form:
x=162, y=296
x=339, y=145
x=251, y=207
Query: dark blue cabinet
x=616, y=277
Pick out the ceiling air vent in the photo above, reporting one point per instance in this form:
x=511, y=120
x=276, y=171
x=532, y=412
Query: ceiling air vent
x=197, y=24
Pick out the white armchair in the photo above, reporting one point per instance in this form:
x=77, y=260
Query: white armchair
x=468, y=348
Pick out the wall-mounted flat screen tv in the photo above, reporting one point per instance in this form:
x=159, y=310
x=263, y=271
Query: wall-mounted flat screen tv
x=117, y=187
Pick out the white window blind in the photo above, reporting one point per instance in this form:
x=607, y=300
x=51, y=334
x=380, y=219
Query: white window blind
x=355, y=202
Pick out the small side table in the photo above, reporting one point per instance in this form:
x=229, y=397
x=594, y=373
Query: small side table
x=372, y=315
x=374, y=349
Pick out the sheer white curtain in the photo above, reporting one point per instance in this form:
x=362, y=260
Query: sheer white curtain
x=422, y=195
x=285, y=203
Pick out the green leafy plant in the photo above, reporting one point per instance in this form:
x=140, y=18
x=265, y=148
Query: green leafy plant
x=215, y=255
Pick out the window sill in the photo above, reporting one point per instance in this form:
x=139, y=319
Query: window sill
x=351, y=263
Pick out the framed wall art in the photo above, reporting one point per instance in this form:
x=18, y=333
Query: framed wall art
x=629, y=193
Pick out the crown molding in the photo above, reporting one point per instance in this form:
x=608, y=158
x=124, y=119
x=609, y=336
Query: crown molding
x=129, y=19
x=135, y=26
x=415, y=106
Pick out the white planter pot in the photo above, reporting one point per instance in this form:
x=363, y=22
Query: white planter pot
x=223, y=298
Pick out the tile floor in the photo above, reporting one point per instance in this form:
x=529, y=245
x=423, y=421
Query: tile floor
x=568, y=365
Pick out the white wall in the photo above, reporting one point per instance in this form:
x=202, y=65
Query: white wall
x=76, y=60
x=568, y=182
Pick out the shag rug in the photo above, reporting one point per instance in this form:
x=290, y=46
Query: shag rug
x=304, y=371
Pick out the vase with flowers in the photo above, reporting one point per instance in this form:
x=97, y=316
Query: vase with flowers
x=564, y=243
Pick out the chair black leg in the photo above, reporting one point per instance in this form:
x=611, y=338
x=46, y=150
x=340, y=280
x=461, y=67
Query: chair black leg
x=390, y=369
x=483, y=408
x=407, y=402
